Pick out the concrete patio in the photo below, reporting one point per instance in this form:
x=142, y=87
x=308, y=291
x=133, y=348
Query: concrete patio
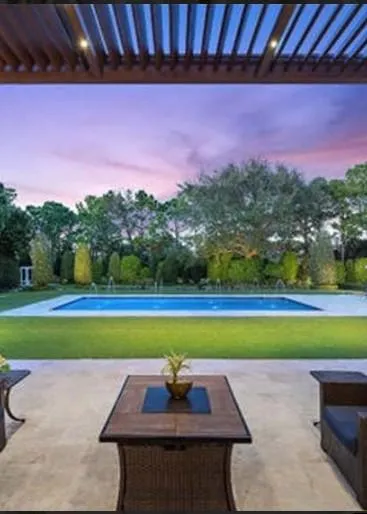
x=55, y=462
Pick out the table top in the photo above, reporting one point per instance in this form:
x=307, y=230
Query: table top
x=13, y=376
x=339, y=376
x=127, y=423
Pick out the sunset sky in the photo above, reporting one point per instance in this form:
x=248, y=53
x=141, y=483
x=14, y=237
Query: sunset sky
x=63, y=142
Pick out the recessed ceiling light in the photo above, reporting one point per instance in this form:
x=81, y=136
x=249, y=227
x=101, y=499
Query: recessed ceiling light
x=83, y=43
x=273, y=43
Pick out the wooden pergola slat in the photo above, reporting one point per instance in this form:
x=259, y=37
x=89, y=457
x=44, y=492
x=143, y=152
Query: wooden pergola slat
x=174, y=22
x=209, y=15
x=349, y=19
x=105, y=21
x=190, y=33
x=157, y=29
x=141, y=33
x=281, y=23
x=322, y=34
x=263, y=9
x=8, y=56
x=223, y=33
x=123, y=43
x=69, y=16
x=120, y=14
x=9, y=35
x=306, y=32
x=239, y=33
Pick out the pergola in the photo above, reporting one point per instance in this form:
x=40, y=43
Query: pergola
x=183, y=43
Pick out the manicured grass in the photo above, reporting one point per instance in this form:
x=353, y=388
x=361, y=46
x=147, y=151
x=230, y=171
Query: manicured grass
x=282, y=338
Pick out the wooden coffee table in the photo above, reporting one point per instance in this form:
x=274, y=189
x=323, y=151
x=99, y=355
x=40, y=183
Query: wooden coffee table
x=175, y=461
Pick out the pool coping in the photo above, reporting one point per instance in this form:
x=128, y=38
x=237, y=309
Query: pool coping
x=331, y=305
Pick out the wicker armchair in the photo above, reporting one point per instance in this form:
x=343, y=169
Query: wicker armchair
x=2, y=417
x=343, y=414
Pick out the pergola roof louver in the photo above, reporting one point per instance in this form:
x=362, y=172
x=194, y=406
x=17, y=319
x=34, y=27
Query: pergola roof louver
x=183, y=43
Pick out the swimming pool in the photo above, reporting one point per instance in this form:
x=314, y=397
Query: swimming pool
x=184, y=303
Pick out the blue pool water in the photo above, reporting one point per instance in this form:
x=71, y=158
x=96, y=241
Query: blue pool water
x=182, y=303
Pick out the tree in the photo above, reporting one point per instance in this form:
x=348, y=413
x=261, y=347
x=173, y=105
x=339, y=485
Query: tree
x=96, y=226
x=239, y=208
x=114, y=268
x=15, y=230
x=312, y=206
x=130, y=269
x=343, y=219
x=83, y=265
x=97, y=270
x=356, y=185
x=360, y=270
x=350, y=272
x=56, y=221
x=9, y=273
x=67, y=267
x=322, y=261
x=42, y=273
x=289, y=268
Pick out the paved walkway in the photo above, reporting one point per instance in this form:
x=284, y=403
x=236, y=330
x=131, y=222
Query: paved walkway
x=54, y=461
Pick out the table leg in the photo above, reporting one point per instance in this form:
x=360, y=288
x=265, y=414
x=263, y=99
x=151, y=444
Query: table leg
x=7, y=408
x=231, y=506
x=122, y=478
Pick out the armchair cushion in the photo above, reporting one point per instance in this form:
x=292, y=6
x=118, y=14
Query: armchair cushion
x=343, y=421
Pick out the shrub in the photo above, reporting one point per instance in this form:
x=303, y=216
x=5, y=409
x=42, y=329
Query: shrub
x=9, y=272
x=350, y=272
x=303, y=275
x=322, y=261
x=218, y=267
x=42, y=273
x=289, y=268
x=195, y=270
x=82, y=265
x=114, y=267
x=169, y=269
x=236, y=272
x=252, y=270
x=340, y=273
x=67, y=267
x=273, y=271
x=130, y=269
x=360, y=270
x=97, y=270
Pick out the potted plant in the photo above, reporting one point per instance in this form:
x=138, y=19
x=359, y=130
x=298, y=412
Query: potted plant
x=4, y=365
x=176, y=385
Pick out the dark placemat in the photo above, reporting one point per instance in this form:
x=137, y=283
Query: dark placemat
x=158, y=399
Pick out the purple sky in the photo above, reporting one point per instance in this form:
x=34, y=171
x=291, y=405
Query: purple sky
x=63, y=142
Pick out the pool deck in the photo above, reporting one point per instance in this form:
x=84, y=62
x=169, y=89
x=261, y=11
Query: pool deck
x=331, y=305
x=54, y=461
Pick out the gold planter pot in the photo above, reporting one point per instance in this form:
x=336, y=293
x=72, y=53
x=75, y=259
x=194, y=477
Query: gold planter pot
x=178, y=390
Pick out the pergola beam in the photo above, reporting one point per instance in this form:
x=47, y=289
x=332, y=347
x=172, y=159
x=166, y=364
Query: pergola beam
x=276, y=34
x=196, y=74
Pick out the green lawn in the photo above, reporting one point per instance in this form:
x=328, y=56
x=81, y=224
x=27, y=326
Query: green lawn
x=282, y=338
